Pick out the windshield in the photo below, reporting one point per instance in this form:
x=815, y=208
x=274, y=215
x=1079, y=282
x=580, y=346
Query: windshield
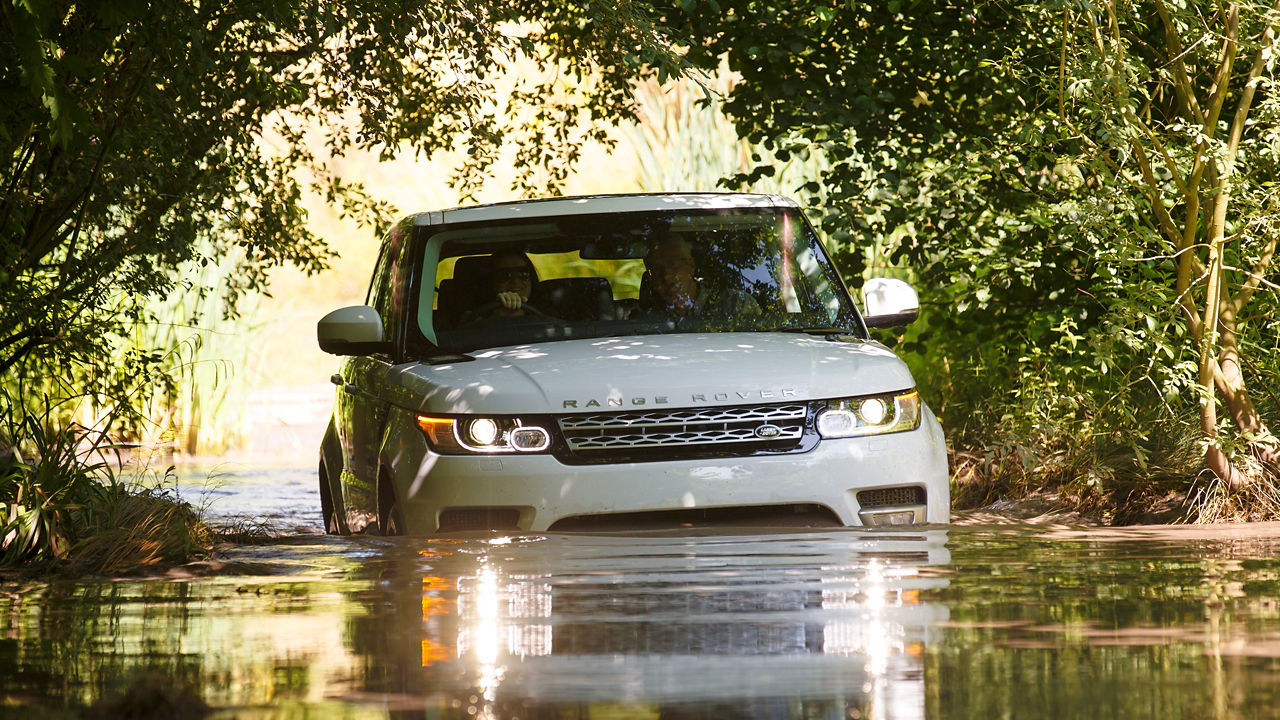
x=587, y=276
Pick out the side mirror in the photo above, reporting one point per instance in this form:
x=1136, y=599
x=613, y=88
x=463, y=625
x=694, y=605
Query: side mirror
x=355, y=330
x=889, y=303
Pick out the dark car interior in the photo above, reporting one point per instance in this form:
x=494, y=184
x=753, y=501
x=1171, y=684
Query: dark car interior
x=573, y=299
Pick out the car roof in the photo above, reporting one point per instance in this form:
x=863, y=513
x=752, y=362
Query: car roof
x=590, y=204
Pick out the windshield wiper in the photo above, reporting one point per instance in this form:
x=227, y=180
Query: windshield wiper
x=437, y=356
x=447, y=359
x=812, y=330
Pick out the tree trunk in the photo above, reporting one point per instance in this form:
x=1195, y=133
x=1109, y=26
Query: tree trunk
x=1235, y=396
x=1211, y=338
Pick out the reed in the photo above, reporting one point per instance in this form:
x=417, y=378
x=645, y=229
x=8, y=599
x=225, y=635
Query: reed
x=65, y=506
x=209, y=349
x=683, y=141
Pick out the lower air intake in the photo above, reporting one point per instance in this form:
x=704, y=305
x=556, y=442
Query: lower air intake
x=456, y=519
x=884, y=497
x=775, y=516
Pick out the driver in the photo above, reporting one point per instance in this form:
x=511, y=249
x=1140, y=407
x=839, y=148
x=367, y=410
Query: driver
x=511, y=281
x=508, y=285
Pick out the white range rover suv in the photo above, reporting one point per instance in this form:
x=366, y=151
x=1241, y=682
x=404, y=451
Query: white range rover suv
x=622, y=361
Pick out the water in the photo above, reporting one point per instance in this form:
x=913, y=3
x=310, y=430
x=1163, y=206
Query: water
x=285, y=500
x=1007, y=621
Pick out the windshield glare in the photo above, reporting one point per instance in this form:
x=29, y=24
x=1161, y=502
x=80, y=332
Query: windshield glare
x=588, y=276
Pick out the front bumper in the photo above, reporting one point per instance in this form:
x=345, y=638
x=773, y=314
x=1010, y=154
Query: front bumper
x=542, y=490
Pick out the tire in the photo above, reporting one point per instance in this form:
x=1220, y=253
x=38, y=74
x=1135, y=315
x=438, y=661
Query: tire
x=390, y=523
x=328, y=514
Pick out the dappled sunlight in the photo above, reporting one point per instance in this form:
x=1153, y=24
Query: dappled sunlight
x=423, y=472
x=638, y=356
x=720, y=472
x=523, y=353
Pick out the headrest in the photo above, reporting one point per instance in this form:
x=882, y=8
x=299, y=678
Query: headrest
x=580, y=298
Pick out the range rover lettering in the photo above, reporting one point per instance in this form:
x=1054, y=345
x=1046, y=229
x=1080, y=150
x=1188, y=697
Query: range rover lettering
x=625, y=360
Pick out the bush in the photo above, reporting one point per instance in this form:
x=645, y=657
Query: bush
x=67, y=509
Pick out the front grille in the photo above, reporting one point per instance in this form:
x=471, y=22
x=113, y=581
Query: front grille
x=745, y=427
x=885, y=497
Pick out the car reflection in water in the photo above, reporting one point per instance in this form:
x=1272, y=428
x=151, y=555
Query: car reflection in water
x=829, y=625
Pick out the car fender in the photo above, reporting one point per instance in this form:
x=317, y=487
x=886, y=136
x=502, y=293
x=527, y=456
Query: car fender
x=939, y=510
x=400, y=435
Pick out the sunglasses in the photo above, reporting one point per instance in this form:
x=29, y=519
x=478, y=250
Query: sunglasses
x=507, y=274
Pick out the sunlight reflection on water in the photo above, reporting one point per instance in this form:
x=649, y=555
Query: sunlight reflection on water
x=284, y=501
x=1027, y=621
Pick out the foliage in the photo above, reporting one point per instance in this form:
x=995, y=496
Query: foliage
x=45, y=504
x=997, y=153
x=140, y=137
x=684, y=142
x=200, y=406
x=1177, y=107
x=138, y=527
x=69, y=510
x=142, y=140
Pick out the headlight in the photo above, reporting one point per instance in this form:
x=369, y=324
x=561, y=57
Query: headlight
x=872, y=415
x=483, y=435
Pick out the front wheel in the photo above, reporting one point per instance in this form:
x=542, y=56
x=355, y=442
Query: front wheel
x=328, y=512
x=389, y=520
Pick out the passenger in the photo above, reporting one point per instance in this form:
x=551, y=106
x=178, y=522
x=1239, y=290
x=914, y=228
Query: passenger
x=681, y=295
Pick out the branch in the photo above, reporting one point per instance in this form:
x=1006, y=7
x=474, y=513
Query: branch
x=1221, y=80
x=1168, y=161
x=1175, y=256
x=1246, y=98
x=1153, y=193
x=1097, y=36
x=15, y=337
x=20, y=353
x=1184, y=299
x=1182, y=83
x=1217, y=97
x=17, y=170
x=1254, y=278
x=1233, y=146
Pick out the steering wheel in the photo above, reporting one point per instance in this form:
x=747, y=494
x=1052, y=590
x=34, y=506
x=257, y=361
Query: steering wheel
x=482, y=312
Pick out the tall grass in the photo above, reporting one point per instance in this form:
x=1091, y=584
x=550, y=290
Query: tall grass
x=69, y=429
x=46, y=500
x=683, y=141
x=211, y=348
x=65, y=506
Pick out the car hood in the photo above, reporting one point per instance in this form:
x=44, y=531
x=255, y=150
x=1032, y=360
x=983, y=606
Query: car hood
x=648, y=372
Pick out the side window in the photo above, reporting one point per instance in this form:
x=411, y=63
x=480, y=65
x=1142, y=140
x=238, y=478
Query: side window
x=388, y=291
x=377, y=286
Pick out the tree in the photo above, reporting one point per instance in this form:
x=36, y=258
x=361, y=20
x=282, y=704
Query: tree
x=1062, y=178
x=1178, y=105
x=141, y=137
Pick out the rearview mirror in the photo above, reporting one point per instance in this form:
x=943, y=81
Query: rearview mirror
x=889, y=303
x=355, y=330
x=614, y=248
